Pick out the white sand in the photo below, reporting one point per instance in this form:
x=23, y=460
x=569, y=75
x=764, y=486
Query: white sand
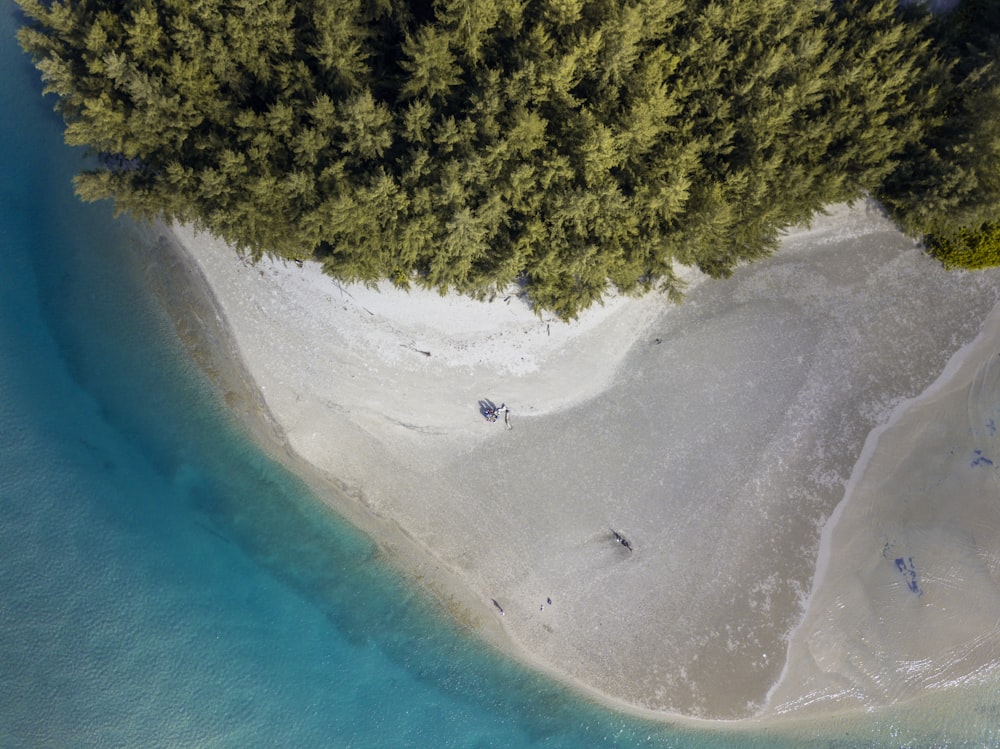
x=719, y=451
x=345, y=366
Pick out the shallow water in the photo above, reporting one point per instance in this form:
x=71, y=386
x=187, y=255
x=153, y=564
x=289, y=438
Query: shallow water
x=163, y=583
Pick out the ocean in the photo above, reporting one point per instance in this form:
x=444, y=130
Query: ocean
x=163, y=583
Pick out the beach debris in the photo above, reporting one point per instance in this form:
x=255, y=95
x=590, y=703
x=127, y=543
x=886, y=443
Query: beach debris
x=909, y=571
x=414, y=348
x=980, y=459
x=499, y=607
x=621, y=539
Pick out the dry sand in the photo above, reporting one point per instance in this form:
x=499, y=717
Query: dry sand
x=718, y=436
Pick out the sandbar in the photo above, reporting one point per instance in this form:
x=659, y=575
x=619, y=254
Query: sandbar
x=719, y=436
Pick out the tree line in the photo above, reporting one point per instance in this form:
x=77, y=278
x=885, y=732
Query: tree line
x=570, y=146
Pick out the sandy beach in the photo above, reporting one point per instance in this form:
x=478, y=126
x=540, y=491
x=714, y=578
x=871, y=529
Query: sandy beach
x=718, y=436
x=906, y=598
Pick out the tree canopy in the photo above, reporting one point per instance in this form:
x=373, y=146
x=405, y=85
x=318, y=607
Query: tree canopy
x=568, y=145
x=946, y=185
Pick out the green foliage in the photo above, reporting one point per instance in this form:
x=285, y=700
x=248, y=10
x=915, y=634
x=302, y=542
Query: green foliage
x=968, y=249
x=568, y=145
x=947, y=184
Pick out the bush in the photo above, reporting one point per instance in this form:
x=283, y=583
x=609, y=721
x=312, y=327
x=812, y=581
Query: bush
x=968, y=249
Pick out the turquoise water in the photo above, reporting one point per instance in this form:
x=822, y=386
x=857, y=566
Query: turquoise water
x=164, y=584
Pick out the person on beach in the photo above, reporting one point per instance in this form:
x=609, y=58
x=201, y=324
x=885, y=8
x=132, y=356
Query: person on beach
x=621, y=539
x=506, y=414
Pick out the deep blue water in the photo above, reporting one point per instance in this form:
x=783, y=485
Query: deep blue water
x=162, y=582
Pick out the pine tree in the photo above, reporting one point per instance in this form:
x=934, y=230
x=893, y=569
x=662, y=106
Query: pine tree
x=568, y=145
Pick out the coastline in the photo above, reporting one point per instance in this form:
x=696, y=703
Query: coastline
x=205, y=333
x=190, y=299
x=911, y=553
x=423, y=430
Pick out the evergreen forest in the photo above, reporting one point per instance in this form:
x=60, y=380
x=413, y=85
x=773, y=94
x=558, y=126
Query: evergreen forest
x=568, y=146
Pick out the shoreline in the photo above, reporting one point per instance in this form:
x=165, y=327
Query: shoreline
x=958, y=484
x=188, y=297
x=214, y=351
x=426, y=449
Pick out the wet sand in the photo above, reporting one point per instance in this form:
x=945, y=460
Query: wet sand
x=718, y=436
x=907, y=592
